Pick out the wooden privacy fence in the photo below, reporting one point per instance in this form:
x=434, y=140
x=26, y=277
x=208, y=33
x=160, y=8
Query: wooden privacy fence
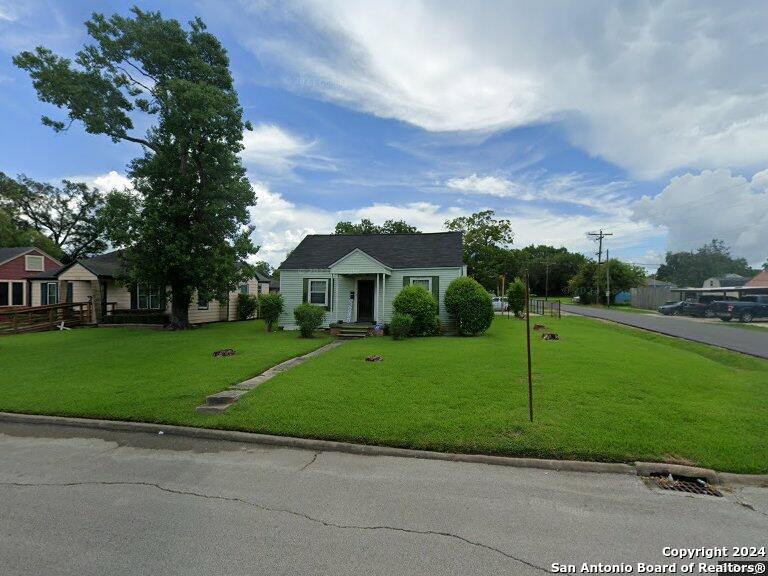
x=16, y=320
x=650, y=297
x=545, y=307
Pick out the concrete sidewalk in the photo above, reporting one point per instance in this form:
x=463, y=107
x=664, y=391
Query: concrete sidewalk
x=82, y=502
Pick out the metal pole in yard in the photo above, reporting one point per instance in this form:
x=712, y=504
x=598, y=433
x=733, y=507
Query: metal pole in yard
x=608, y=279
x=528, y=344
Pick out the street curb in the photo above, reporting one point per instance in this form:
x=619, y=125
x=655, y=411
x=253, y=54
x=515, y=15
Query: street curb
x=640, y=468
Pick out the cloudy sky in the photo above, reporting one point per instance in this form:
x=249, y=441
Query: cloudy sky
x=646, y=119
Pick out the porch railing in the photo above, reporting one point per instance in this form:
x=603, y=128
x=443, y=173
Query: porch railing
x=18, y=320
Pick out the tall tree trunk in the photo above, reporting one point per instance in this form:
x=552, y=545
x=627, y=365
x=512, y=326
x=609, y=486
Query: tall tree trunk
x=180, y=298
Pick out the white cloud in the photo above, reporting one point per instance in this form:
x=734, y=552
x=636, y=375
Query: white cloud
x=487, y=185
x=270, y=148
x=7, y=12
x=649, y=86
x=112, y=180
x=281, y=224
x=694, y=209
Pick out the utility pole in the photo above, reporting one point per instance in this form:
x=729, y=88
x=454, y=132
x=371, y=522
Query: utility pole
x=599, y=237
x=546, y=279
x=608, y=277
x=528, y=343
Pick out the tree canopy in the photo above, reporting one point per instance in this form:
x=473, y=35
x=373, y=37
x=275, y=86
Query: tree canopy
x=485, y=242
x=186, y=224
x=711, y=260
x=592, y=279
x=67, y=215
x=366, y=226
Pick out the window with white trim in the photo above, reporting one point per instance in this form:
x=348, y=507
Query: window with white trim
x=202, y=303
x=34, y=263
x=243, y=288
x=426, y=281
x=147, y=299
x=318, y=292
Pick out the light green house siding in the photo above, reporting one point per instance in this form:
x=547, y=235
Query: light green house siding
x=345, y=275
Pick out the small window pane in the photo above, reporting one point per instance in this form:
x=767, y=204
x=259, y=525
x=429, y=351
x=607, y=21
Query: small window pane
x=422, y=282
x=243, y=288
x=3, y=293
x=317, y=291
x=202, y=303
x=18, y=294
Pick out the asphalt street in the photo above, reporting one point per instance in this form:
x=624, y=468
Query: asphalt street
x=80, y=502
x=754, y=342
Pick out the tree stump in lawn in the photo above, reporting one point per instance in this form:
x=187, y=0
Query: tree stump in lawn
x=224, y=352
x=538, y=327
x=550, y=336
x=373, y=358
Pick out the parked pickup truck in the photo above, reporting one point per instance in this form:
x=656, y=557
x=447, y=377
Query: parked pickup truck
x=746, y=309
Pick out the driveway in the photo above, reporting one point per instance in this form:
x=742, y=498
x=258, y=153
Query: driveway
x=754, y=342
x=84, y=502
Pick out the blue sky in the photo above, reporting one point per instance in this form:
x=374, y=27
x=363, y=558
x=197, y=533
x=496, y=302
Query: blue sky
x=646, y=118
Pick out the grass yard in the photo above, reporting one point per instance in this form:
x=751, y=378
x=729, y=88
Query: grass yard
x=135, y=374
x=603, y=392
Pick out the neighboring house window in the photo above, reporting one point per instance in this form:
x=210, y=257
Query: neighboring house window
x=4, y=293
x=17, y=294
x=34, y=263
x=202, y=303
x=49, y=293
x=147, y=299
x=243, y=288
x=426, y=282
x=318, y=292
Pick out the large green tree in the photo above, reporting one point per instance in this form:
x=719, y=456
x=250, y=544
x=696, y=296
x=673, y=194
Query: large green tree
x=189, y=227
x=485, y=242
x=366, y=226
x=692, y=268
x=591, y=279
x=68, y=214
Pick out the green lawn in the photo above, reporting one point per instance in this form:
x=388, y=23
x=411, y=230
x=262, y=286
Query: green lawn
x=135, y=374
x=603, y=392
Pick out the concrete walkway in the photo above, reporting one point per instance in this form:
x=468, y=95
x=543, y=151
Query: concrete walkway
x=217, y=403
x=751, y=342
x=81, y=502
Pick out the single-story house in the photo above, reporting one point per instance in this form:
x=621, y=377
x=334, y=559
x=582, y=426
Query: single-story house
x=98, y=279
x=730, y=280
x=355, y=278
x=17, y=267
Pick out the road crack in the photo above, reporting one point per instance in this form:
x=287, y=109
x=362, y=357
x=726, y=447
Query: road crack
x=264, y=507
x=308, y=464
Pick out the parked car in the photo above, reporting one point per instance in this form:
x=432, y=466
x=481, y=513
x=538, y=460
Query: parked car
x=671, y=308
x=499, y=303
x=685, y=308
x=745, y=310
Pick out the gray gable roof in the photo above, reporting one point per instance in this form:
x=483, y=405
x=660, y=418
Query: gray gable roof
x=107, y=265
x=439, y=250
x=9, y=253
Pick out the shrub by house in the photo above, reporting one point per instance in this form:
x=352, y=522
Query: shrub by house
x=308, y=318
x=469, y=305
x=415, y=301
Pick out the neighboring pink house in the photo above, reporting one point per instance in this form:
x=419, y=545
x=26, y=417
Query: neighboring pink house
x=17, y=267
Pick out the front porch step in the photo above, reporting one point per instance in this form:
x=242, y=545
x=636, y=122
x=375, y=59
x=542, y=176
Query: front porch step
x=352, y=335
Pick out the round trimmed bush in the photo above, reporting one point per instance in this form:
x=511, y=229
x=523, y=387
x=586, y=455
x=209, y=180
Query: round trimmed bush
x=421, y=305
x=400, y=326
x=309, y=318
x=469, y=305
x=270, y=308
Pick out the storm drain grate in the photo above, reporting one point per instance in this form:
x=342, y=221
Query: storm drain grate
x=684, y=484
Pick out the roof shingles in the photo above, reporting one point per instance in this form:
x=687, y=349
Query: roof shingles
x=437, y=250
